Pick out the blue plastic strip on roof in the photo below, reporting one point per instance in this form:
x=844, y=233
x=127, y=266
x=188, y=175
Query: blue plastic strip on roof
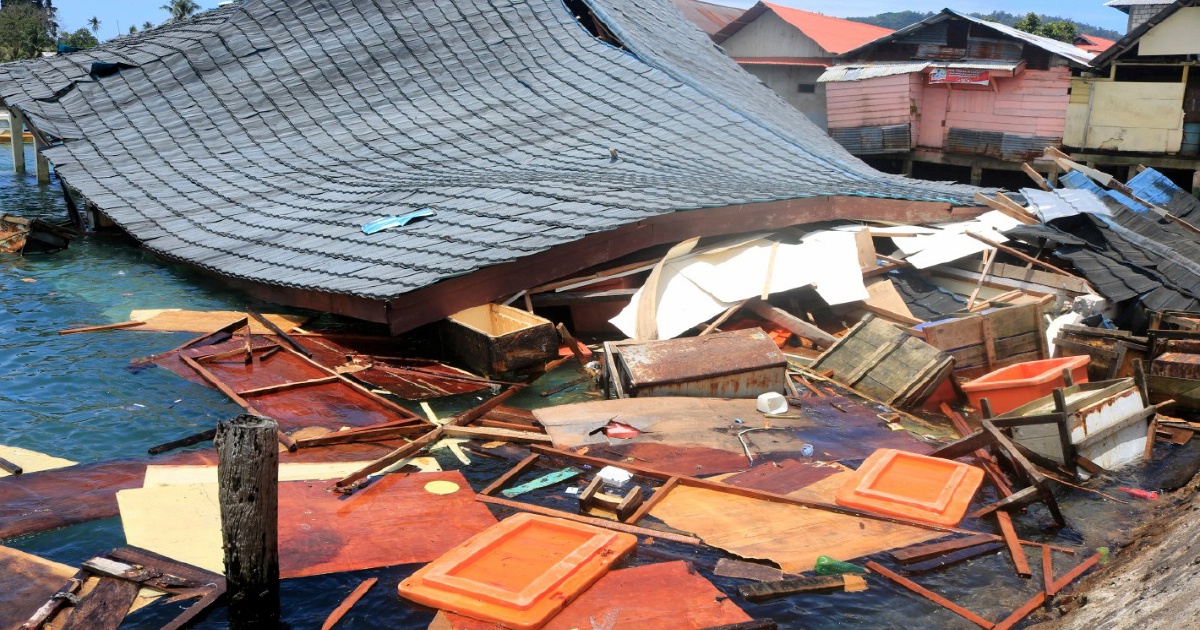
x=1153, y=186
x=1079, y=181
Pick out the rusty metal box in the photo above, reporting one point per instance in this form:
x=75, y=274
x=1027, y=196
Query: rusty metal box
x=493, y=339
x=735, y=364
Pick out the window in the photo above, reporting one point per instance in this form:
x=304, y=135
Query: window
x=807, y=88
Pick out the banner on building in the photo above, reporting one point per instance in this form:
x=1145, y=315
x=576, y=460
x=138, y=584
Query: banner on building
x=960, y=76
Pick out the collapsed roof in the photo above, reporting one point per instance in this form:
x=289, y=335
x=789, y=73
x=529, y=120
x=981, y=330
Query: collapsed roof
x=256, y=140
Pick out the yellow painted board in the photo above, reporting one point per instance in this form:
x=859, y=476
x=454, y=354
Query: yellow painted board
x=31, y=461
x=179, y=320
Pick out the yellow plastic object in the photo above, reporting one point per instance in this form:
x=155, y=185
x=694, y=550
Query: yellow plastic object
x=441, y=487
x=519, y=572
x=1014, y=385
x=911, y=486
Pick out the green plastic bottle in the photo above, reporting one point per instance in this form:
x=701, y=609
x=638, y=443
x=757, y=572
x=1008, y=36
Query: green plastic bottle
x=829, y=566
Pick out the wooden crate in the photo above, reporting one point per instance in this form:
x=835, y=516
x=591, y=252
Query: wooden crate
x=885, y=362
x=493, y=339
x=734, y=364
x=982, y=342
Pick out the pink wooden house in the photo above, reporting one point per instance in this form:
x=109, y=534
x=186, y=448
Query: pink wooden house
x=952, y=97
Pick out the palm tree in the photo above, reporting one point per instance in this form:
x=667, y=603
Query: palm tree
x=180, y=9
x=94, y=24
x=147, y=25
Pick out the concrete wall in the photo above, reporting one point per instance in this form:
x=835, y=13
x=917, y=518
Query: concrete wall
x=1176, y=35
x=1139, y=13
x=785, y=81
x=770, y=36
x=1125, y=116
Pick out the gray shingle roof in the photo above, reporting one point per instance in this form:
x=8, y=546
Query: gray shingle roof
x=256, y=140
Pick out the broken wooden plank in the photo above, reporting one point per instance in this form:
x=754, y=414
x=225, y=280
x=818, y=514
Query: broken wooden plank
x=348, y=603
x=1073, y=574
x=923, y=552
x=727, y=567
x=815, y=584
x=931, y=596
x=1022, y=612
x=117, y=326
x=203, y=436
x=1014, y=544
x=291, y=341
x=590, y=520
x=105, y=607
x=953, y=558
x=792, y=323
x=496, y=435
x=350, y=482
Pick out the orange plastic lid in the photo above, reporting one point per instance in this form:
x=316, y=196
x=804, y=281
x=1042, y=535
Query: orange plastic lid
x=912, y=486
x=519, y=572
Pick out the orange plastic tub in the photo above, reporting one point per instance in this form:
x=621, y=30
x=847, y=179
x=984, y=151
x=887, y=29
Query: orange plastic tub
x=1013, y=386
x=915, y=487
x=519, y=572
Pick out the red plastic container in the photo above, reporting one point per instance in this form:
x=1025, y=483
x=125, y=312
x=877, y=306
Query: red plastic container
x=912, y=486
x=520, y=572
x=1013, y=386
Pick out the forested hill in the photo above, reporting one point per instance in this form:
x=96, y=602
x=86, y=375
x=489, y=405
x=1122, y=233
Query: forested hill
x=899, y=19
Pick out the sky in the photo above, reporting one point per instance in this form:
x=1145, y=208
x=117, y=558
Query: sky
x=117, y=15
x=74, y=14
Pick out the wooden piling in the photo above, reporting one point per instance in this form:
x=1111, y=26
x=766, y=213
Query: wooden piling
x=43, y=167
x=248, y=475
x=17, y=123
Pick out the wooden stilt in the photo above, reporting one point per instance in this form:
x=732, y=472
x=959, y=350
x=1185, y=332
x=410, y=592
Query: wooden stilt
x=248, y=490
x=17, y=123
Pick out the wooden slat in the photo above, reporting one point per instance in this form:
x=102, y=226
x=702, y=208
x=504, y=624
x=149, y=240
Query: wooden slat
x=1014, y=544
x=590, y=520
x=931, y=596
x=348, y=603
x=86, y=329
x=105, y=607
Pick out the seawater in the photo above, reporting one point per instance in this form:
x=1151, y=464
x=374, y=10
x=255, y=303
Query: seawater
x=72, y=396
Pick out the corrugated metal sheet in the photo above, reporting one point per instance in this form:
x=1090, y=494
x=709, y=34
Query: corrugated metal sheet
x=937, y=51
x=988, y=48
x=1005, y=146
x=860, y=72
x=933, y=34
x=877, y=139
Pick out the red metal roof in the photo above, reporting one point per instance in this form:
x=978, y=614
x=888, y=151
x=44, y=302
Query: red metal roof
x=835, y=35
x=1092, y=44
x=711, y=18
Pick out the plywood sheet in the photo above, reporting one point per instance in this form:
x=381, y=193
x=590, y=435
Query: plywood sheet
x=883, y=294
x=31, y=461
x=666, y=596
x=26, y=582
x=787, y=535
x=393, y=521
x=179, y=320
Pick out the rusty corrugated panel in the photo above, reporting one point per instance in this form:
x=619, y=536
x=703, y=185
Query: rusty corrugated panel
x=734, y=364
x=974, y=142
x=932, y=34
x=937, y=51
x=874, y=139
x=988, y=48
x=1017, y=148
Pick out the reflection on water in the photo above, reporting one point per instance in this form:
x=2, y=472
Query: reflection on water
x=72, y=397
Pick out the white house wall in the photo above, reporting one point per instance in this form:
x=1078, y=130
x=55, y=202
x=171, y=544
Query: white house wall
x=770, y=36
x=1176, y=35
x=786, y=80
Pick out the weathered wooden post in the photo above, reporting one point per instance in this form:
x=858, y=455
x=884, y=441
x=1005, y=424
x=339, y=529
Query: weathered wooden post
x=16, y=121
x=42, y=166
x=248, y=476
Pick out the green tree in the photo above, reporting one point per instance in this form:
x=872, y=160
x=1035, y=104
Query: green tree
x=180, y=9
x=25, y=31
x=80, y=39
x=132, y=29
x=147, y=25
x=1061, y=30
x=94, y=24
x=1031, y=23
